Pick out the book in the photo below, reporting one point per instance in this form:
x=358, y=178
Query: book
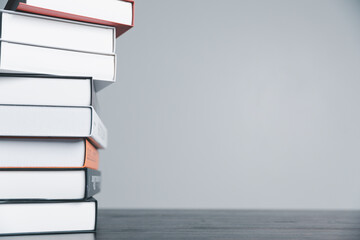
x=19, y=57
x=55, y=32
x=36, y=89
x=52, y=121
x=48, y=183
x=58, y=236
x=34, y=217
x=48, y=153
x=117, y=13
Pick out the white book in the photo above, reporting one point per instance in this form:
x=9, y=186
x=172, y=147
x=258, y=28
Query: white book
x=59, y=236
x=46, y=153
x=18, y=57
x=49, y=183
x=52, y=121
x=31, y=89
x=56, y=32
x=47, y=217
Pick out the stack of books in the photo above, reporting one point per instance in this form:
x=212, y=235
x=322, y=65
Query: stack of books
x=54, y=58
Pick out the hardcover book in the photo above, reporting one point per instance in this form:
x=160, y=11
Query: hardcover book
x=41, y=217
x=19, y=57
x=56, y=32
x=48, y=183
x=48, y=153
x=50, y=90
x=59, y=236
x=52, y=121
x=117, y=13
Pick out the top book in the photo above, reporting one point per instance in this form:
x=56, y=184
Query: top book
x=116, y=13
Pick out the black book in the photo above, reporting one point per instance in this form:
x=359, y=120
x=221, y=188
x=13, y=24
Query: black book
x=43, y=217
x=48, y=183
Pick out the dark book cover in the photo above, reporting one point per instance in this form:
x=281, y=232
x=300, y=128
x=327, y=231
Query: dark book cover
x=93, y=182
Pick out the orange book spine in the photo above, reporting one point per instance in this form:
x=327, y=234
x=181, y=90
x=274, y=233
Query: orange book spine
x=91, y=156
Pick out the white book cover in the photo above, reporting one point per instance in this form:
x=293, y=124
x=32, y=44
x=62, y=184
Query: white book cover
x=34, y=217
x=45, y=152
x=52, y=121
x=32, y=89
x=18, y=57
x=56, y=32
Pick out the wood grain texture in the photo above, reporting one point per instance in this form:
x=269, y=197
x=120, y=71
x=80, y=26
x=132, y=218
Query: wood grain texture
x=228, y=224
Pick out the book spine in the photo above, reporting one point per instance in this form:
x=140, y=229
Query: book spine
x=93, y=182
x=91, y=156
x=98, y=131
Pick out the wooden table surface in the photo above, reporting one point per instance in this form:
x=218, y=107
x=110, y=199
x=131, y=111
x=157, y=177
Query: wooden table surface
x=237, y=224
x=218, y=224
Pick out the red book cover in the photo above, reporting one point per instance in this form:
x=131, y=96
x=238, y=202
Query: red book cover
x=120, y=28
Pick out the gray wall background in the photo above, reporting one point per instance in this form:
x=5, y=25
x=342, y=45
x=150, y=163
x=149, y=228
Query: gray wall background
x=235, y=104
